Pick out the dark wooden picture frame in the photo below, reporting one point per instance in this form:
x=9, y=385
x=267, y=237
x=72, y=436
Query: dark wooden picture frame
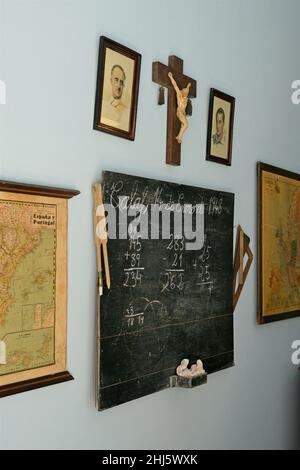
x=262, y=316
x=19, y=192
x=118, y=112
x=210, y=156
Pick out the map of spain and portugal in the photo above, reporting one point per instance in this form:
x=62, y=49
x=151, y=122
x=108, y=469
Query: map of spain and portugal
x=281, y=241
x=27, y=285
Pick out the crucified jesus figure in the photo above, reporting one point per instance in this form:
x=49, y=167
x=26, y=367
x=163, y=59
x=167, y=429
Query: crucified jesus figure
x=182, y=100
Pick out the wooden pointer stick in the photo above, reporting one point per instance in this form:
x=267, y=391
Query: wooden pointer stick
x=97, y=240
x=104, y=244
x=100, y=237
x=106, y=266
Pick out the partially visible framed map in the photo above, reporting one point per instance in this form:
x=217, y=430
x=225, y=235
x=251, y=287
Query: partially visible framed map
x=33, y=286
x=278, y=244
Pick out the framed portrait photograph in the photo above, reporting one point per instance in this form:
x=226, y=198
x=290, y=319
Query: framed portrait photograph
x=33, y=286
x=278, y=243
x=220, y=127
x=117, y=89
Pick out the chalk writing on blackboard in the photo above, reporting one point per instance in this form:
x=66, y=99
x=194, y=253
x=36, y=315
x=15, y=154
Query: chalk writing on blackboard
x=170, y=253
x=135, y=217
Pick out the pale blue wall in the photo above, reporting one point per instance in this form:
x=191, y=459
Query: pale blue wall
x=48, y=58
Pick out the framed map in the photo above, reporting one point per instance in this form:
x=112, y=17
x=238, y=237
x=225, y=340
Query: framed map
x=33, y=286
x=278, y=244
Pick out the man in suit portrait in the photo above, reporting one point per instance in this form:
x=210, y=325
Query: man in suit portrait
x=114, y=111
x=219, y=138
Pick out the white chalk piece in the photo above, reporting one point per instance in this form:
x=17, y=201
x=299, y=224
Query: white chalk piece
x=2, y=352
x=2, y=92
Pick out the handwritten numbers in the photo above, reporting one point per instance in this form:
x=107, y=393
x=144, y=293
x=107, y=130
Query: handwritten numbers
x=133, y=270
x=215, y=206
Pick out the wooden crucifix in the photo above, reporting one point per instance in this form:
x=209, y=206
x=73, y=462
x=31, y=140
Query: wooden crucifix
x=160, y=76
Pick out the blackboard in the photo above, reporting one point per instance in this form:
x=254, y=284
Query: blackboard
x=166, y=303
